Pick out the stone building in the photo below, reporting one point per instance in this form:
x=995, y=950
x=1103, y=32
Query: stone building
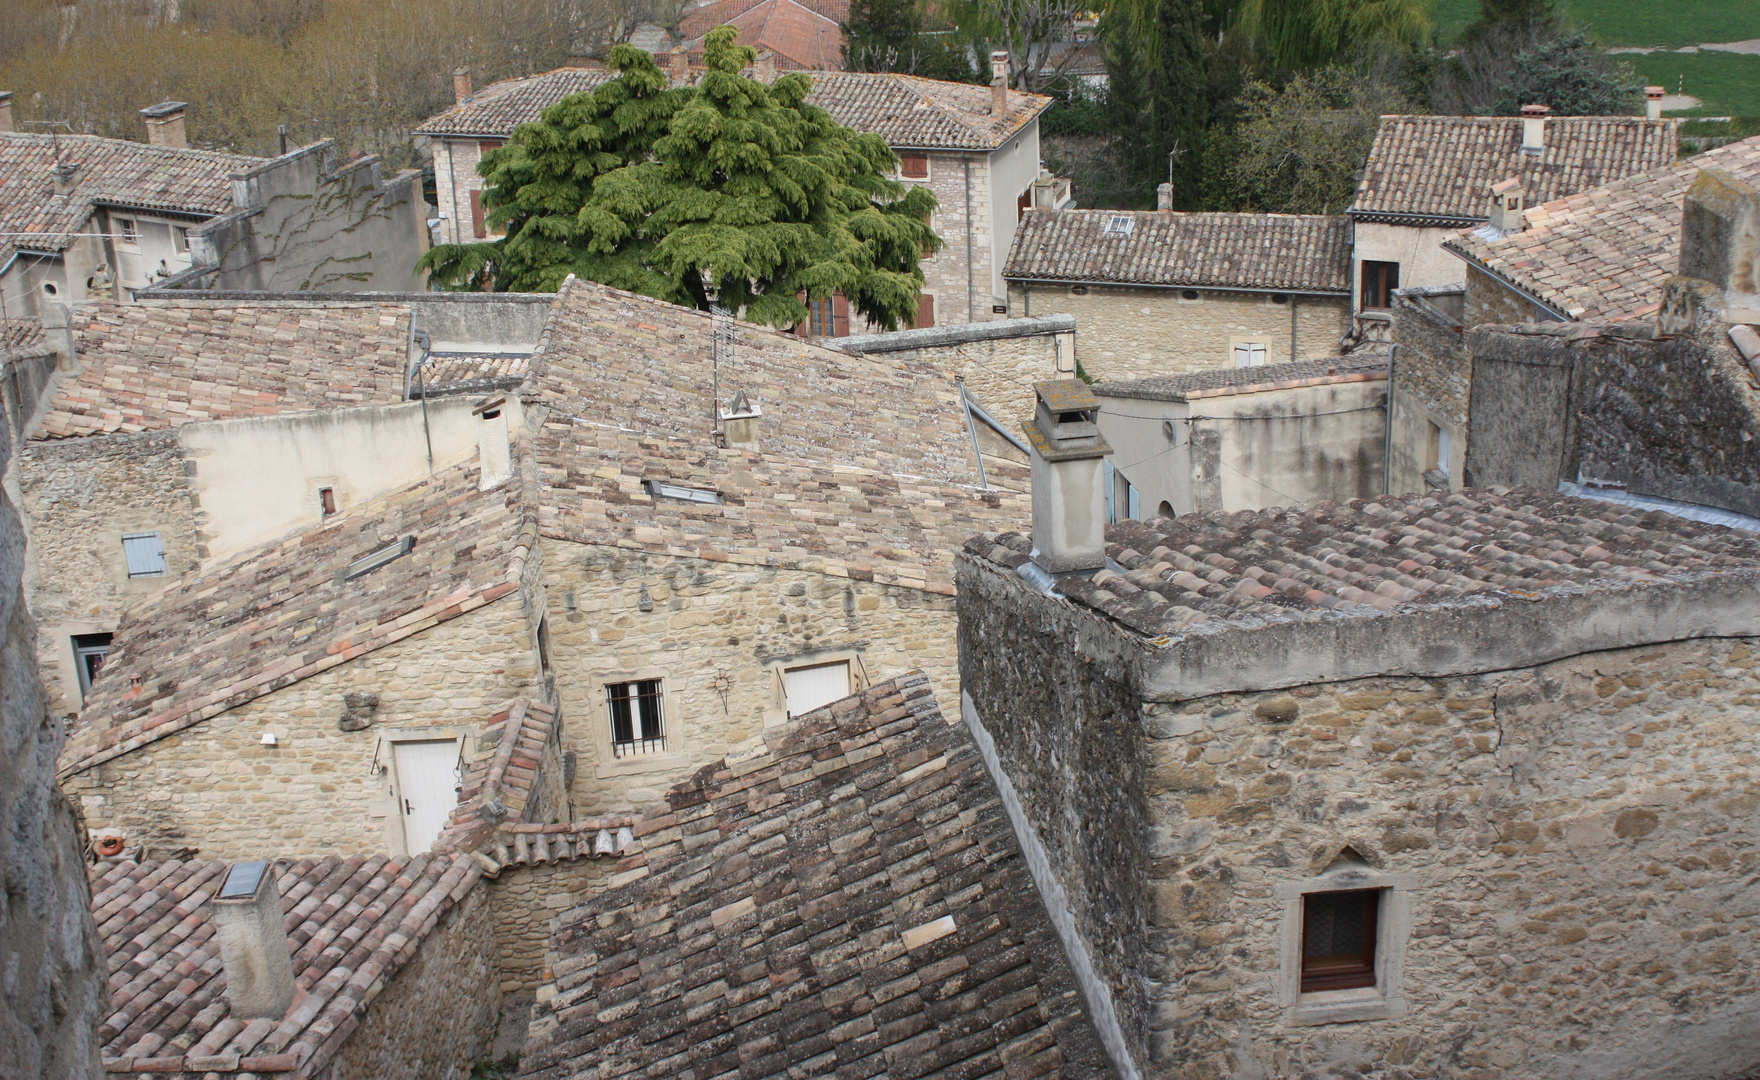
x=998, y=362
x=1449, y=786
x=975, y=147
x=842, y=897
x=1428, y=177
x=1243, y=438
x=1159, y=293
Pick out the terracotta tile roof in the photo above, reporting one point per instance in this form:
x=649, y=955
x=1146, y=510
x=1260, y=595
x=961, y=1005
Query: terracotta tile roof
x=458, y=374
x=904, y=110
x=496, y=109
x=842, y=897
x=1605, y=253
x=1293, y=252
x=158, y=364
x=215, y=640
x=512, y=747
x=798, y=37
x=1442, y=167
x=1223, y=382
x=352, y=924
x=1393, y=555
x=20, y=334
x=112, y=172
x=699, y=21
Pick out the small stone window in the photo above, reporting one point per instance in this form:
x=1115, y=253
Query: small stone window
x=1338, y=939
x=327, y=500
x=1190, y=295
x=637, y=714
x=1342, y=943
x=145, y=554
x=128, y=232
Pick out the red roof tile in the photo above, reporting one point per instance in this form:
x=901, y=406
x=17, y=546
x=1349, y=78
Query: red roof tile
x=799, y=37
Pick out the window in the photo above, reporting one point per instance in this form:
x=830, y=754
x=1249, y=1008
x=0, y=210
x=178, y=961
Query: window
x=815, y=686
x=1188, y=295
x=145, y=553
x=1339, y=931
x=486, y=145
x=1249, y=353
x=180, y=239
x=637, y=723
x=913, y=166
x=1119, y=225
x=327, y=500
x=89, y=651
x=660, y=489
x=1279, y=298
x=128, y=232
x=1123, y=500
x=1379, y=281
x=1023, y=204
x=828, y=316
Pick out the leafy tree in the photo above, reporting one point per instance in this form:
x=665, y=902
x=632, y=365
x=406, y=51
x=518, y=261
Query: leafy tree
x=1571, y=76
x=1300, y=146
x=643, y=186
x=1305, y=34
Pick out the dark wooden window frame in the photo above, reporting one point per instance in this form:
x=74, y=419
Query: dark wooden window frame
x=1379, y=281
x=1340, y=970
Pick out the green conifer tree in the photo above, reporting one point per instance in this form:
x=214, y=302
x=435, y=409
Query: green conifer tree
x=643, y=186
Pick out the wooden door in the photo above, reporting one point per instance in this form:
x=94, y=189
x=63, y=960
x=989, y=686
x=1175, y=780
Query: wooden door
x=815, y=686
x=427, y=782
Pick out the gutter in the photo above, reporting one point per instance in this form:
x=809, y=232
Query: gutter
x=1508, y=284
x=1431, y=221
x=1024, y=281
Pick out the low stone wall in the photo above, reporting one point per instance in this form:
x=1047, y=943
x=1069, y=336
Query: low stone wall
x=437, y=1017
x=999, y=361
x=525, y=899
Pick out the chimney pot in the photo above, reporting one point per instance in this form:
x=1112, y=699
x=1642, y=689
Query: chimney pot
x=681, y=66
x=741, y=424
x=764, y=67
x=998, y=83
x=1534, y=128
x=5, y=110
x=253, y=942
x=1164, y=197
x=1653, y=101
x=1069, y=493
x=1507, y=204
x=165, y=124
x=461, y=85
x=64, y=175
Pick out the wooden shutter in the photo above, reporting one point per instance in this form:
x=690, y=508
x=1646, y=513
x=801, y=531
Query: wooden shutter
x=1023, y=204
x=925, y=313
x=839, y=315
x=477, y=228
x=913, y=166
x=800, y=328
x=490, y=144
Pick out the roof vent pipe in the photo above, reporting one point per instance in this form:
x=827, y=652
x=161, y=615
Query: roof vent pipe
x=5, y=110
x=461, y=85
x=253, y=942
x=165, y=125
x=1653, y=102
x=998, y=83
x=1534, y=128
x=1066, y=453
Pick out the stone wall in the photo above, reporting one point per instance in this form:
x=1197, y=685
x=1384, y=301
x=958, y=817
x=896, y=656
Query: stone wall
x=52, y=973
x=958, y=278
x=525, y=899
x=215, y=787
x=79, y=497
x=714, y=634
x=1132, y=333
x=1432, y=380
x=1491, y=301
x=999, y=368
x=437, y=1017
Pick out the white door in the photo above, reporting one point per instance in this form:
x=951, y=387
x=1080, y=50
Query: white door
x=811, y=687
x=427, y=781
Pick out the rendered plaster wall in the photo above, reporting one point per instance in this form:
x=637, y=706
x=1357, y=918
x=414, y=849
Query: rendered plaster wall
x=437, y=1016
x=214, y=786
x=1432, y=379
x=1422, y=261
x=494, y=322
x=1133, y=333
x=716, y=635
x=79, y=498
x=51, y=965
x=525, y=900
x=1013, y=168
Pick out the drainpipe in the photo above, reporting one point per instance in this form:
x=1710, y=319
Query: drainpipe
x=971, y=315
x=1387, y=429
x=972, y=430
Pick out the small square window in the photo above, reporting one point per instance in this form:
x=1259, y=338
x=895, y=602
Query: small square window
x=327, y=500
x=1249, y=354
x=89, y=651
x=637, y=716
x=1119, y=225
x=145, y=553
x=180, y=239
x=128, y=232
x=1339, y=930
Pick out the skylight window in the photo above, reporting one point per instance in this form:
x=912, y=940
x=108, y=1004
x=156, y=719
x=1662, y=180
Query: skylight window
x=660, y=489
x=1120, y=225
x=368, y=563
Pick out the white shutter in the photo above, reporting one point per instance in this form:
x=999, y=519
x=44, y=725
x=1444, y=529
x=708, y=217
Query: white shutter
x=811, y=687
x=427, y=780
x=1257, y=357
x=145, y=553
x=1444, y=448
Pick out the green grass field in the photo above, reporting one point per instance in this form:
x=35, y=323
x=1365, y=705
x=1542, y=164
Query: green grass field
x=1667, y=25
x=1727, y=84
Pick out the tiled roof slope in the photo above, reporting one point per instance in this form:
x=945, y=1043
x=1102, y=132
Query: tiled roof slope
x=699, y=21
x=514, y=741
x=843, y=897
x=351, y=925
x=158, y=364
x=632, y=362
x=798, y=37
x=112, y=171
x=1293, y=252
x=1442, y=167
x=1605, y=253
x=16, y=333
x=905, y=110
x=1221, y=382
x=216, y=640
x=1392, y=555
x=840, y=520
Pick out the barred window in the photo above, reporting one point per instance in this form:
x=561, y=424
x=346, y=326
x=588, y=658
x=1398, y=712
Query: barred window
x=637, y=717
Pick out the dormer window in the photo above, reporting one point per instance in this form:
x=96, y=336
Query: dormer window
x=660, y=489
x=1119, y=225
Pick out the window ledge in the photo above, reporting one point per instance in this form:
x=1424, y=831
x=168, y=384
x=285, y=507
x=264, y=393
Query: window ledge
x=640, y=763
x=1343, y=1007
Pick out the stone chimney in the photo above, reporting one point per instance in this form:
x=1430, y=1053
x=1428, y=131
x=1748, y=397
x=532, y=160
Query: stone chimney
x=1534, y=128
x=1507, y=200
x=1653, y=102
x=1720, y=237
x=741, y=425
x=681, y=66
x=461, y=85
x=764, y=67
x=253, y=942
x=998, y=83
x=5, y=110
x=1164, y=198
x=63, y=175
x=1069, y=486
x=165, y=125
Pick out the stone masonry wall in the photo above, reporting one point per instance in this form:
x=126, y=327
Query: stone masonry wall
x=437, y=1017
x=525, y=899
x=215, y=787
x=52, y=973
x=1583, y=839
x=1131, y=333
x=710, y=634
x=1432, y=381
x=79, y=497
x=961, y=288
x=999, y=373
x=1490, y=301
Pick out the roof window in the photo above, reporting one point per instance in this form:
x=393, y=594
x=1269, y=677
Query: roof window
x=1119, y=225
x=368, y=563
x=660, y=489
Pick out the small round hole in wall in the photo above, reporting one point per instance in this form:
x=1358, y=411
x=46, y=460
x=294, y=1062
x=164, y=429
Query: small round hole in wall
x=1079, y=290
x=1166, y=509
x=1189, y=294
x=492, y=414
x=49, y=289
x=1279, y=298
